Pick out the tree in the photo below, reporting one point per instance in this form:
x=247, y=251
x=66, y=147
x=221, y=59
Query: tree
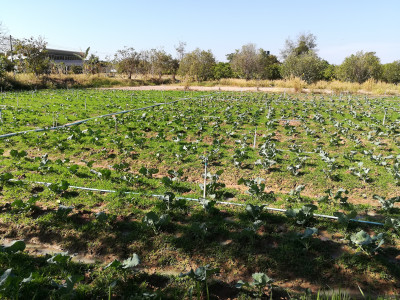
x=180, y=49
x=4, y=40
x=162, y=63
x=32, y=55
x=93, y=64
x=269, y=66
x=245, y=61
x=252, y=63
x=127, y=61
x=391, y=72
x=223, y=70
x=304, y=43
x=197, y=65
x=83, y=57
x=307, y=66
x=360, y=67
x=144, y=67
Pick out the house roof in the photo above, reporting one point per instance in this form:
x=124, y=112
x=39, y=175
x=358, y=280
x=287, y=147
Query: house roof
x=64, y=52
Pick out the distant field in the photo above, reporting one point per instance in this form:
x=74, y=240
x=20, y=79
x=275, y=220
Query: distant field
x=128, y=185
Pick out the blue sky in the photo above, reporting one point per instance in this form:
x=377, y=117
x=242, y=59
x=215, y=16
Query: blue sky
x=342, y=27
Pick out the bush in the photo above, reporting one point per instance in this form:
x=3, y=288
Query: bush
x=391, y=72
x=307, y=66
x=360, y=67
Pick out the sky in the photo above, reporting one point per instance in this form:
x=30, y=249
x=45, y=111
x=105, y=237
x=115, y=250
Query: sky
x=342, y=27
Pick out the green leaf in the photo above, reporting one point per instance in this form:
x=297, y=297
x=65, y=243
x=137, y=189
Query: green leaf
x=114, y=264
x=5, y=278
x=14, y=247
x=131, y=262
x=59, y=258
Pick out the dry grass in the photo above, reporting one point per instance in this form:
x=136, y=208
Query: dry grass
x=102, y=80
x=369, y=87
x=28, y=81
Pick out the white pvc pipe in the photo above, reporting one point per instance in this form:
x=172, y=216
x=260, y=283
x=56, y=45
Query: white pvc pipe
x=195, y=200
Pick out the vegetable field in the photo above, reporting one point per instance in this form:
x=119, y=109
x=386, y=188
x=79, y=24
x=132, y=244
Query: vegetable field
x=174, y=195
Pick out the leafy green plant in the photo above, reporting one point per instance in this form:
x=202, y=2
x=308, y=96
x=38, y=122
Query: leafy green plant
x=155, y=222
x=213, y=187
x=200, y=277
x=344, y=219
x=102, y=173
x=239, y=156
x=393, y=223
x=209, y=205
x=387, y=204
x=5, y=177
x=303, y=215
x=14, y=247
x=148, y=172
x=368, y=244
x=361, y=172
x=128, y=263
x=257, y=189
x=60, y=187
x=27, y=205
x=18, y=155
x=294, y=194
x=63, y=211
x=259, y=283
x=338, y=197
x=306, y=237
x=254, y=211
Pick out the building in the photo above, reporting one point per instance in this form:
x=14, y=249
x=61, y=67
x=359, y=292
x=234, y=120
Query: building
x=68, y=58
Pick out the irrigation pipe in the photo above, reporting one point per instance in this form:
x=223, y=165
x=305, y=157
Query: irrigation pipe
x=192, y=199
x=85, y=120
x=92, y=118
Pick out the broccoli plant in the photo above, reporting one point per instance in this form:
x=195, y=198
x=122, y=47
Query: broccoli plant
x=303, y=215
x=209, y=206
x=387, y=204
x=350, y=155
x=361, y=172
x=266, y=163
x=155, y=222
x=128, y=263
x=294, y=194
x=306, y=237
x=259, y=283
x=366, y=243
x=18, y=155
x=395, y=170
x=27, y=205
x=59, y=188
x=102, y=173
x=254, y=211
x=330, y=165
x=14, y=247
x=294, y=169
x=148, y=172
x=344, y=219
x=5, y=177
x=239, y=157
x=171, y=201
x=256, y=189
x=200, y=277
x=213, y=186
x=393, y=223
x=338, y=197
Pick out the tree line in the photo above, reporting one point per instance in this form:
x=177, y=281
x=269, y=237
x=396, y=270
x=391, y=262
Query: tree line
x=298, y=58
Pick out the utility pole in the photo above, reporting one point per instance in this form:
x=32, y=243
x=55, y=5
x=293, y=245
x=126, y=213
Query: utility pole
x=12, y=59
